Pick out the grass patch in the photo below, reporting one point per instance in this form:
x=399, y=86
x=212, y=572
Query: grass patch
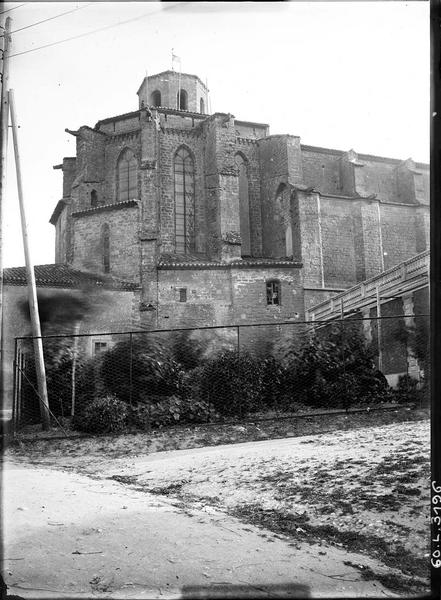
x=392, y=581
x=299, y=528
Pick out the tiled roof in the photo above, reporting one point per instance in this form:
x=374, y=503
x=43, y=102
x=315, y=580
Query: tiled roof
x=191, y=261
x=59, y=275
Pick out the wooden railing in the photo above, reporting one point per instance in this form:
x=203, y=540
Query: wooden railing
x=405, y=277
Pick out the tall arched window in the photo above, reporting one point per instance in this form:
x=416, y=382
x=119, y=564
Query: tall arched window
x=127, y=176
x=184, y=201
x=105, y=234
x=182, y=100
x=202, y=106
x=156, y=98
x=244, y=205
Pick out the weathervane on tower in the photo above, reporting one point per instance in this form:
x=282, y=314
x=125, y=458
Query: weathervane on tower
x=177, y=59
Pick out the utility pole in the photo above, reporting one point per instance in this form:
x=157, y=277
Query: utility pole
x=32, y=288
x=4, y=118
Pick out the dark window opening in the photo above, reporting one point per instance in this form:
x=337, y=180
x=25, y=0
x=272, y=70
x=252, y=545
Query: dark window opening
x=183, y=295
x=156, y=98
x=93, y=198
x=273, y=292
x=99, y=348
x=202, y=106
x=182, y=100
x=106, y=248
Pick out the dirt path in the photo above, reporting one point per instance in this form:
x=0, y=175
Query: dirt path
x=339, y=510
x=67, y=535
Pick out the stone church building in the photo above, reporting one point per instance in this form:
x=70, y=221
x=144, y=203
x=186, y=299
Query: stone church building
x=173, y=217
x=218, y=222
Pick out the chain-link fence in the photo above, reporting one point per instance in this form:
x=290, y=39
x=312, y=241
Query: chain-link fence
x=148, y=379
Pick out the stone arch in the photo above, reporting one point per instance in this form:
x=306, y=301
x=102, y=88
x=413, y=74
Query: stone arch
x=155, y=98
x=244, y=203
x=126, y=176
x=182, y=99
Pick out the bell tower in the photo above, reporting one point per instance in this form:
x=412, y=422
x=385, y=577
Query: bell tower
x=171, y=89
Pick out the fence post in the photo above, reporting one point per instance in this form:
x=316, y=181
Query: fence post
x=74, y=367
x=238, y=356
x=342, y=315
x=14, y=390
x=21, y=363
x=379, y=330
x=131, y=369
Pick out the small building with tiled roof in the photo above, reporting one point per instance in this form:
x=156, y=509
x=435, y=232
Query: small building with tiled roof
x=70, y=302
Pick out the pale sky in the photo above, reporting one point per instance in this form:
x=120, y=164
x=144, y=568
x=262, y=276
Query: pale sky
x=338, y=74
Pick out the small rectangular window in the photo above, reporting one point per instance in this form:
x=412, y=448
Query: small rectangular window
x=183, y=295
x=99, y=348
x=273, y=292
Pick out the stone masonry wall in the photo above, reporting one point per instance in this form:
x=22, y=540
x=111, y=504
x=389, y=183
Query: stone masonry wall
x=274, y=169
x=379, y=178
x=311, y=238
x=208, y=302
x=398, y=233
x=228, y=296
x=321, y=170
x=337, y=227
x=249, y=289
x=124, y=242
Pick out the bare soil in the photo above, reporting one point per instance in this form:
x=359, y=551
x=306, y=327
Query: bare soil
x=356, y=482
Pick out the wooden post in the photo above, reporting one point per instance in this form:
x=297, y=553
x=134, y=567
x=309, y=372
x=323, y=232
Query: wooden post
x=4, y=117
x=32, y=288
x=74, y=367
x=379, y=332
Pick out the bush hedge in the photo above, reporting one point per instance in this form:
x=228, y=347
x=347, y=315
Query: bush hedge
x=134, y=369
x=102, y=415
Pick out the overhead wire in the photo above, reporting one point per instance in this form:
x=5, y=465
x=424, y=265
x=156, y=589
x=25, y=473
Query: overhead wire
x=68, y=12
x=81, y=35
x=13, y=8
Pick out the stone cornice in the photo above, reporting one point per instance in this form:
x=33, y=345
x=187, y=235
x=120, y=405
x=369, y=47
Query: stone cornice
x=243, y=264
x=106, y=208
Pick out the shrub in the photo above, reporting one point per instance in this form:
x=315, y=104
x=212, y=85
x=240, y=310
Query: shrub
x=58, y=359
x=232, y=383
x=335, y=369
x=275, y=391
x=168, y=411
x=131, y=370
x=407, y=390
x=102, y=415
x=187, y=350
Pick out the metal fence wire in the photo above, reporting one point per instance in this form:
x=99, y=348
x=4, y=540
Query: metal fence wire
x=224, y=374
